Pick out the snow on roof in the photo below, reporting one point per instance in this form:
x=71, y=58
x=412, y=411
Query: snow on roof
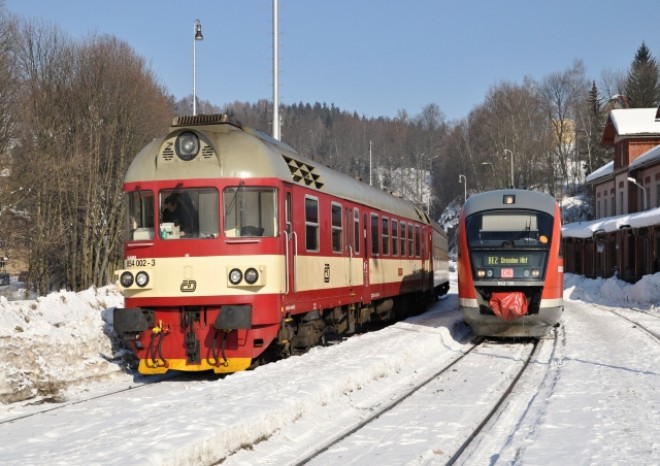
x=605, y=170
x=610, y=224
x=630, y=121
x=648, y=157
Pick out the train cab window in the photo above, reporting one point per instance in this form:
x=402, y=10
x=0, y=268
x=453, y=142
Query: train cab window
x=375, y=240
x=395, y=237
x=356, y=230
x=140, y=218
x=189, y=213
x=250, y=211
x=337, y=229
x=311, y=223
x=386, y=236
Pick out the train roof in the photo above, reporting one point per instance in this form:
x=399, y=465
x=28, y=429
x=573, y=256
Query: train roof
x=522, y=199
x=231, y=150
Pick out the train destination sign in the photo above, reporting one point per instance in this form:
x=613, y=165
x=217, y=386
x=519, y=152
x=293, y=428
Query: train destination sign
x=520, y=259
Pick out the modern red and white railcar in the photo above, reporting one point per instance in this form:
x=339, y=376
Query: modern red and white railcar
x=510, y=269
x=270, y=251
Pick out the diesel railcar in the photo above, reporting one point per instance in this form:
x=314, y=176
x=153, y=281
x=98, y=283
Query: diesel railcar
x=239, y=250
x=510, y=269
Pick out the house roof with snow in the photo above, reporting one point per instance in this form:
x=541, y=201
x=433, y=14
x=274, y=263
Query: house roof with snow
x=623, y=123
x=610, y=224
x=601, y=172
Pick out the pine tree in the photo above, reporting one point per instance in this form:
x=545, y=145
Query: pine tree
x=643, y=84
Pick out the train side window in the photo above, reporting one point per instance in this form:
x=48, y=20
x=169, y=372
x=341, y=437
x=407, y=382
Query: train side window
x=411, y=251
x=418, y=241
x=337, y=229
x=386, y=236
x=395, y=237
x=375, y=250
x=311, y=224
x=403, y=239
x=356, y=229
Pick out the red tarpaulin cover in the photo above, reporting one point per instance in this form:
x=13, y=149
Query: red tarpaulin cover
x=509, y=306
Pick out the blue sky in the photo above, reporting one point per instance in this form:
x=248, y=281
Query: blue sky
x=374, y=57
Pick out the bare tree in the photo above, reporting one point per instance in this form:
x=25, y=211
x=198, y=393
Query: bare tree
x=91, y=108
x=564, y=93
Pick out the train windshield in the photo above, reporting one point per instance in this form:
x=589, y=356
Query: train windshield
x=509, y=229
x=189, y=213
x=250, y=211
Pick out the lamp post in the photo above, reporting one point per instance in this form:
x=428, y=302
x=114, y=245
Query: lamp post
x=464, y=186
x=505, y=151
x=636, y=183
x=198, y=36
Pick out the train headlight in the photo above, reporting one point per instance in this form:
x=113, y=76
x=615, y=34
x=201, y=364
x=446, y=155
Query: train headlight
x=536, y=273
x=187, y=146
x=481, y=273
x=235, y=276
x=126, y=279
x=142, y=279
x=251, y=276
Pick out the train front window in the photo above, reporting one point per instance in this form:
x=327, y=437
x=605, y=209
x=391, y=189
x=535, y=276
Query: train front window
x=140, y=218
x=250, y=211
x=509, y=229
x=189, y=213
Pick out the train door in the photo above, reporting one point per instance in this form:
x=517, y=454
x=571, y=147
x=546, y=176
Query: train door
x=290, y=244
x=366, y=294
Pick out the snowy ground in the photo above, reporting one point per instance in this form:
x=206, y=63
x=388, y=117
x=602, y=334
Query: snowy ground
x=594, y=400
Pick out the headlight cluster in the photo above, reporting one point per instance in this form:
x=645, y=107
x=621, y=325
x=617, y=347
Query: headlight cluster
x=127, y=279
x=485, y=273
x=237, y=276
x=534, y=273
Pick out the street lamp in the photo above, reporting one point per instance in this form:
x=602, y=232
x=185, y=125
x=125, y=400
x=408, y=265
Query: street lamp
x=464, y=186
x=634, y=181
x=505, y=151
x=198, y=36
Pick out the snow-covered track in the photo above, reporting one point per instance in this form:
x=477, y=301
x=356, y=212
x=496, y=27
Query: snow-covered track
x=41, y=407
x=452, y=406
x=645, y=322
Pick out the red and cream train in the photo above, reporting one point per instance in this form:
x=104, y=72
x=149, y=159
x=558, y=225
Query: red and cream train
x=277, y=250
x=510, y=269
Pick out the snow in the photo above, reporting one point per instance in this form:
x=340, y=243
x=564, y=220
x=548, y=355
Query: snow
x=610, y=224
x=592, y=398
x=632, y=121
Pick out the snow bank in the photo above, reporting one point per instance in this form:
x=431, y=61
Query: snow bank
x=55, y=341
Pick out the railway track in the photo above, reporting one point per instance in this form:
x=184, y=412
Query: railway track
x=458, y=399
x=445, y=401
x=645, y=322
x=46, y=405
